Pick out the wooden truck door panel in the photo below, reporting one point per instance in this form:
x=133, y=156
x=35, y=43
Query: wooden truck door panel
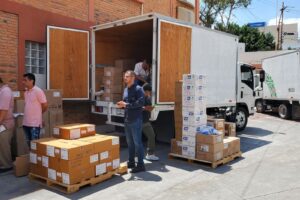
x=68, y=62
x=174, y=58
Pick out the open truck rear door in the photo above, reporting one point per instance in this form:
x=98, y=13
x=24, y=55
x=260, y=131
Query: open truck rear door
x=68, y=62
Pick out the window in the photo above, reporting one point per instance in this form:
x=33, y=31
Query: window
x=35, y=58
x=247, y=76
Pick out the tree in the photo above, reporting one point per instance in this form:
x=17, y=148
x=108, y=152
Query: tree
x=212, y=11
x=253, y=39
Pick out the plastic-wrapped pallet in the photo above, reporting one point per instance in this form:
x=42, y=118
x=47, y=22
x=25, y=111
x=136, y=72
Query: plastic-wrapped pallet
x=193, y=111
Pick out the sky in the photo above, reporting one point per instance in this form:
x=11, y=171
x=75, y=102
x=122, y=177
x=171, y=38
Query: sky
x=265, y=11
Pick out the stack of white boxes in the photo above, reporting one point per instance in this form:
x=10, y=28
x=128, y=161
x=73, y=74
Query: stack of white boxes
x=193, y=111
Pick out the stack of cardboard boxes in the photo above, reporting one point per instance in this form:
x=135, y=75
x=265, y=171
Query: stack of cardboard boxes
x=231, y=143
x=72, y=161
x=51, y=118
x=190, y=117
x=193, y=112
x=113, y=79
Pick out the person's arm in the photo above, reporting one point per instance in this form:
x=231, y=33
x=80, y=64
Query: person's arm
x=3, y=113
x=4, y=105
x=139, y=103
x=44, y=107
x=43, y=101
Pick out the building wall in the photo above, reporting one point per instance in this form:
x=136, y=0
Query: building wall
x=9, y=48
x=77, y=9
x=112, y=10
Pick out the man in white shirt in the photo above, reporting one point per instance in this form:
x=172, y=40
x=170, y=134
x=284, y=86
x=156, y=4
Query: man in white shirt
x=142, y=71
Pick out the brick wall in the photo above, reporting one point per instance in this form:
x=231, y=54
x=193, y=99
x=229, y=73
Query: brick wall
x=78, y=9
x=9, y=48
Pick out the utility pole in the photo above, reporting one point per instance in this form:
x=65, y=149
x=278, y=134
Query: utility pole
x=280, y=28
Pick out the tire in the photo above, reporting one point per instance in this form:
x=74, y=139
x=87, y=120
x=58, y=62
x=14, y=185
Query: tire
x=259, y=106
x=284, y=111
x=241, y=118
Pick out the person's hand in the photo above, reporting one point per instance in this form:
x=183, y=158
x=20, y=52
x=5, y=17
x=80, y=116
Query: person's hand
x=121, y=104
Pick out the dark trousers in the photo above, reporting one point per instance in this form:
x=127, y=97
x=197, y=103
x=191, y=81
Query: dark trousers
x=31, y=133
x=133, y=131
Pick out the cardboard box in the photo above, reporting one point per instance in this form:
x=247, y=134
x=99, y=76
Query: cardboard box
x=19, y=105
x=178, y=93
x=209, y=139
x=194, y=120
x=113, y=71
x=226, y=142
x=193, y=111
x=217, y=124
x=112, y=80
x=125, y=64
x=55, y=118
x=234, y=145
x=189, y=151
x=210, y=157
x=190, y=130
x=192, y=89
x=21, y=165
x=74, y=131
x=230, y=129
x=19, y=121
x=99, y=73
x=38, y=170
x=19, y=144
x=54, y=98
x=76, y=176
x=111, y=97
x=194, y=79
x=113, y=89
x=188, y=140
x=197, y=102
x=178, y=131
x=176, y=146
x=18, y=95
x=210, y=148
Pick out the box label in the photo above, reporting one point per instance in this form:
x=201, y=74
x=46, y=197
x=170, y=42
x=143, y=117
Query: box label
x=94, y=158
x=115, y=141
x=58, y=174
x=64, y=154
x=204, y=148
x=45, y=161
x=33, y=146
x=55, y=131
x=104, y=155
x=33, y=158
x=91, y=128
x=116, y=163
x=226, y=145
x=100, y=169
x=219, y=138
x=56, y=94
x=39, y=158
x=52, y=174
x=75, y=133
x=50, y=151
x=65, y=178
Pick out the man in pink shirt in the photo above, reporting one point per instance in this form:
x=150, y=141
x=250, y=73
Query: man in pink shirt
x=7, y=124
x=35, y=105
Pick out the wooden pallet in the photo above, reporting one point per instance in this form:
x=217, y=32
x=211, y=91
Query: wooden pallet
x=68, y=189
x=212, y=164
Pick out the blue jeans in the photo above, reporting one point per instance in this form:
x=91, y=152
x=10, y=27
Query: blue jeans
x=31, y=133
x=133, y=131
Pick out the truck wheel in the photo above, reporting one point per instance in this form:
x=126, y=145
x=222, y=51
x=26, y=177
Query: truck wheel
x=241, y=118
x=284, y=111
x=259, y=106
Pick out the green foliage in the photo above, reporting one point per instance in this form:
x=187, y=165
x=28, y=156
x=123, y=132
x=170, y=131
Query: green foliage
x=253, y=39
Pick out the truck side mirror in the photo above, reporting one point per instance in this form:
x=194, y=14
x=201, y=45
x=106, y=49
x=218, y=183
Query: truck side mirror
x=262, y=75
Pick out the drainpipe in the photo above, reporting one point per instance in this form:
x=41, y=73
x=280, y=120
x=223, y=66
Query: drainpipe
x=197, y=8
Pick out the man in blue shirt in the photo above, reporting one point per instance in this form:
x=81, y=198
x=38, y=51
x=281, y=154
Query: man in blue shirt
x=133, y=102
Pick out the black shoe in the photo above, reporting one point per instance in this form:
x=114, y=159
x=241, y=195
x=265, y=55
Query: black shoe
x=5, y=170
x=130, y=165
x=139, y=168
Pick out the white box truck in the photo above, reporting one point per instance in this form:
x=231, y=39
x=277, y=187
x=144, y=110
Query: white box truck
x=281, y=88
x=175, y=48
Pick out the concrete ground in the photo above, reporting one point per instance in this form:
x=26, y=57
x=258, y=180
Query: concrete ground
x=269, y=169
